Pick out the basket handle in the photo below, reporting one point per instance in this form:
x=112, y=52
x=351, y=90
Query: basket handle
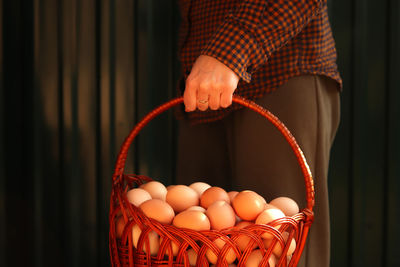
x=309, y=183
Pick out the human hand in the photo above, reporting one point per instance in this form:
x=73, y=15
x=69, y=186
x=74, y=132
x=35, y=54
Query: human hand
x=210, y=84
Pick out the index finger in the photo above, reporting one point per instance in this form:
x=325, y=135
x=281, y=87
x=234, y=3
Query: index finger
x=189, y=96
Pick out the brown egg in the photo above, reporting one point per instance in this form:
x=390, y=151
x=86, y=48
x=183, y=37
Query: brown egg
x=238, y=219
x=243, y=240
x=137, y=196
x=213, y=194
x=192, y=219
x=156, y=189
x=119, y=226
x=268, y=216
x=158, y=210
x=243, y=224
x=174, y=246
x=269, y=206
x=170, y=186
x=277, y=250
x=220, y=243
x=256, y=257
x=248, y=205
x=232, y=195
x=181, y=197
x=153, y=237
x=200, y=208
x=221, y=215
x=199, y=187
x=192, y=256
x=285, y=204
x=262, y=198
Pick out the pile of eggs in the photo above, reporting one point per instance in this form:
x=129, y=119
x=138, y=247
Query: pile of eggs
x=199, y=207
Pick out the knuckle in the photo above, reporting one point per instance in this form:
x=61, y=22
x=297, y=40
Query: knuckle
x=217, y=88
x=219, y=85
x=190, y=83
x=204, y=87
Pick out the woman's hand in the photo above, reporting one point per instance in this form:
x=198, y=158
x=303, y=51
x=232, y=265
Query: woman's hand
x=210, y=84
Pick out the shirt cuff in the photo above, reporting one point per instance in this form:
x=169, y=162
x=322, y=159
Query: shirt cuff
x=236, y=48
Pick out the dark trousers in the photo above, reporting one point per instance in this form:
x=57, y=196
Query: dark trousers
x=245, y=151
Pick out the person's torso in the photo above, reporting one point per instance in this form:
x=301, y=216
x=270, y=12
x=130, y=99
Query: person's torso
x=312, y=51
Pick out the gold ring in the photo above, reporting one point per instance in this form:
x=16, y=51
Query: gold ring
x=203, y=101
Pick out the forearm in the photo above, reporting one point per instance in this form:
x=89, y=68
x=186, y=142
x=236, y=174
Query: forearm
x=252, y=32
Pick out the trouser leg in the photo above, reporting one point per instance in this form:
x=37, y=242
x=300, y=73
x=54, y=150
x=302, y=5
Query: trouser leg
x=264, y=162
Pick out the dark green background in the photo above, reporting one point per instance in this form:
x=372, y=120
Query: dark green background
x=77, y=75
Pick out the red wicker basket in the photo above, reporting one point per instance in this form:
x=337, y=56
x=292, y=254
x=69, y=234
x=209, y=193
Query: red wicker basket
x=123, y=253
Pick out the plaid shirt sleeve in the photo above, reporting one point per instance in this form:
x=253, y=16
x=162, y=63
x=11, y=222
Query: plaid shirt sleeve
x=257, y=28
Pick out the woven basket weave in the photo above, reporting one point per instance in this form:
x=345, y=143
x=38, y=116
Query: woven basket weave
x=123, y=253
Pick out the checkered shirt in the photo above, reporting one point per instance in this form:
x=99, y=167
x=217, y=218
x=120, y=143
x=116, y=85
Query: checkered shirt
x=264, y=42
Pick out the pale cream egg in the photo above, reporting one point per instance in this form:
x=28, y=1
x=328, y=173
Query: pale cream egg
x=268, y=216
x=277, y=250
x=199, y=187
x=156, y=189
x=287, y=205
x=137, y=196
